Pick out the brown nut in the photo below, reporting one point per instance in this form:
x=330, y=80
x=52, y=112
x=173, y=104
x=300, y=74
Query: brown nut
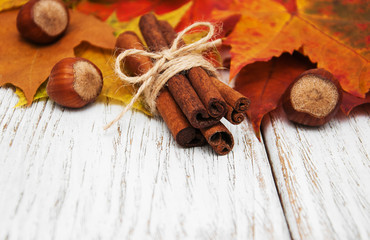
x=313, y=98
x=74, y=82
x=43, y=21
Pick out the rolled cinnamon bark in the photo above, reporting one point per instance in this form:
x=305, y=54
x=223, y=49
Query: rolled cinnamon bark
x=207, y=92
x=179, y=85
x=238, y=101
x=199, y=79
x=135, y=64
x=169, y=33
x=184, y=134
x=188, y=101
x=233, y=116
x=219, y=137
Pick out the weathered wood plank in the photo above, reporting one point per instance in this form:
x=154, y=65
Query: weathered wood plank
x=322, y=175
x=63, y=177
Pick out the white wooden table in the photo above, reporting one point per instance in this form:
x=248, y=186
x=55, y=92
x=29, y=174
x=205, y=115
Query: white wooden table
x=63, y=177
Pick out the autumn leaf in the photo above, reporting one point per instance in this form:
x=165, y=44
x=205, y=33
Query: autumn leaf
x=265, y=82
x=349, y=102
x=27, y=66
x=40, y=94
x=334, y=34
x=201, y=10
x=126, y=10
x=9, y=4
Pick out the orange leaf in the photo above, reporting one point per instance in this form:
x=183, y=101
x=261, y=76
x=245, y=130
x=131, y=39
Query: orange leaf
x=201, y=10
x=265, y=82
x=335, y=34
x=127, y=10
x=27, y=65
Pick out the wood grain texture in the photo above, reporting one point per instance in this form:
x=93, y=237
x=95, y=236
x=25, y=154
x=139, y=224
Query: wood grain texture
x=63, y=177
x=322, y=175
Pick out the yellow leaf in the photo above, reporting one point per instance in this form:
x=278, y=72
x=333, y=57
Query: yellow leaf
x=40, y=94
x=9, y=4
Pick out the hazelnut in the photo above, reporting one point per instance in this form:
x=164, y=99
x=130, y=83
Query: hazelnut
x=43, y=21
x=74, y=82
x=313, y=98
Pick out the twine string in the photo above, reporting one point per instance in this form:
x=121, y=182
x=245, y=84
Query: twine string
x=167, y=63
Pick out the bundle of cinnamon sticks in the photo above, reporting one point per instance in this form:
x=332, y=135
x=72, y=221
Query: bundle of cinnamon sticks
x=194, y=102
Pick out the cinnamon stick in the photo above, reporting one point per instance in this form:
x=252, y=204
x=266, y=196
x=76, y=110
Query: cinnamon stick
x=179, y=85
x=189, y=102
x=199, y=79
x=169, y=33
x=207, y=92
x=135, y=64
x=184, y=134
x=219, y=137
x=233, y=116
x=238, y=101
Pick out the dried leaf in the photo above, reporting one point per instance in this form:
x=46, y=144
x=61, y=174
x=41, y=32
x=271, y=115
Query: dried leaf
x=201, y=10
x=335, y=34
x=27, y=65
x=9, y=4
x=265, y=82
x=40, y=94
x=126, y=10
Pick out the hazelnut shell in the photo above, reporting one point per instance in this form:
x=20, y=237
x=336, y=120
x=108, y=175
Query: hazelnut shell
x=30, y=30
x=306, y=118
x=60, y=86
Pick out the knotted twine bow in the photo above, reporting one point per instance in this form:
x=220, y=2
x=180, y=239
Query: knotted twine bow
x=168, y=63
